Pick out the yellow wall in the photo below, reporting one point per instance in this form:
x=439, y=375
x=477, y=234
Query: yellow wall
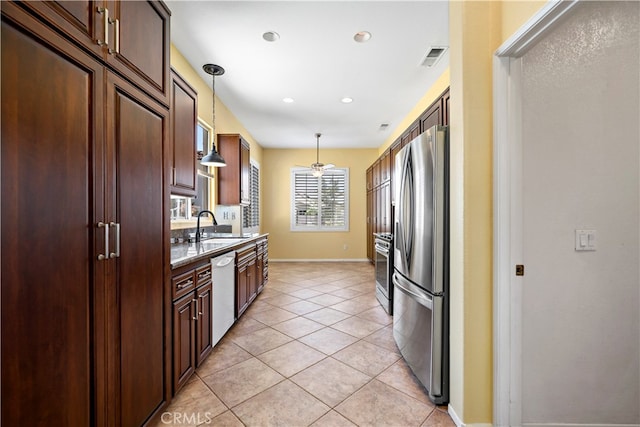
x=427, y=99
x=276, y=178
x=515, y=13
x=476, y=30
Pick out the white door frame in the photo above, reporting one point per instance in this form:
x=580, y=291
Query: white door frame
x=507, y=211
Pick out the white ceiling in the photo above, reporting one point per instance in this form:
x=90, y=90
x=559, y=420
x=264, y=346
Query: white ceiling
x=316, y=62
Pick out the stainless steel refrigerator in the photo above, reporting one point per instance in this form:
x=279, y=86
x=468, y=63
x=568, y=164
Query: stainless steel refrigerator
x=421, y=259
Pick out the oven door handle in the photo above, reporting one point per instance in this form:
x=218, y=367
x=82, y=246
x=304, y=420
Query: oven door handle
x=382, y=249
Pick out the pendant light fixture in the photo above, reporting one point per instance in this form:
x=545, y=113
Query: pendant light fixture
x=213, y=158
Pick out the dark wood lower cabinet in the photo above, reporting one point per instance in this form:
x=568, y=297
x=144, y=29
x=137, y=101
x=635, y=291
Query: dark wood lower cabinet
x=204, y=337
x=246, y=278
x=192, y=320
x=262, y=264
x=184, y=334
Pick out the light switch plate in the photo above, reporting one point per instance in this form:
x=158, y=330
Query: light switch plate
x=585, y=240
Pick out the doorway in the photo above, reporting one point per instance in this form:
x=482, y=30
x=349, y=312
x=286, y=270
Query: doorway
x=567, y=165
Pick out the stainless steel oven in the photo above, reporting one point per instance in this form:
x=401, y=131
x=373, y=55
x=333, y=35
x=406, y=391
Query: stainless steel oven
x=384, y=270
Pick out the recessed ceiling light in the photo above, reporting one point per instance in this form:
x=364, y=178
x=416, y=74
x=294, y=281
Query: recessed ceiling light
x=346, y=100
x=287, y=100
x=362, y=36
x=271, y=36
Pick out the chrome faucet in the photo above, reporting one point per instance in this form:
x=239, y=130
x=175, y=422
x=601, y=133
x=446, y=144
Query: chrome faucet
x=198, y=223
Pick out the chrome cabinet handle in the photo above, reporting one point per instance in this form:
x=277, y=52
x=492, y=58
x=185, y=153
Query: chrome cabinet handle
x=105, y=11
x=203, y=275
x=185, y=284
x=117, y=36
x=106, y=240
x=116, y=254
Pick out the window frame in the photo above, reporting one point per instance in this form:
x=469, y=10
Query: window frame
x=319, y=227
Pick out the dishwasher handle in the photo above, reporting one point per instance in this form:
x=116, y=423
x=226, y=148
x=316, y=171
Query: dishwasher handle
x=223, y=262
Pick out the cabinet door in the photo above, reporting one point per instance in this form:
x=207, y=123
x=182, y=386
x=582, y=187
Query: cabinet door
x=397, y=146
x=139, y=44
x=81, y=20
x=376, y=173
x=52, y=284
x=204, y=337
x=184, y=117
x=184, y=338
x=252, y=279
x=385, y=203
x=260, y=269
x=137, y=132
x=370, y=214
x=241, y=289
x=431, y=117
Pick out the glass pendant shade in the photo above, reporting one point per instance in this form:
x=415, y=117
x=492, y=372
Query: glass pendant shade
x=213, y=158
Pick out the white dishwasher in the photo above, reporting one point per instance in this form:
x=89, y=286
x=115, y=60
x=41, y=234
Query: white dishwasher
x=224, y=288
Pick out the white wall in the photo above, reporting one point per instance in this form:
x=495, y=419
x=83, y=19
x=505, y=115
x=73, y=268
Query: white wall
x=581, y=136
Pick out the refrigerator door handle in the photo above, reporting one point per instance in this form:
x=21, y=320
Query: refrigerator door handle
x=417, y=295
x=405, y=214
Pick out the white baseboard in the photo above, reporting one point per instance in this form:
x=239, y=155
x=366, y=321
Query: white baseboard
x=454, y=416
x=319, y=260
x=576, y=425
x=459, y=423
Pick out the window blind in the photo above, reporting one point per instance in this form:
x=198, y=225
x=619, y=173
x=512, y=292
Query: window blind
x=251, y=214
x=320, y=203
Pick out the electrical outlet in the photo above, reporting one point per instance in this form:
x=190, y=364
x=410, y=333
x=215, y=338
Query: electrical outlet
x=345, y=247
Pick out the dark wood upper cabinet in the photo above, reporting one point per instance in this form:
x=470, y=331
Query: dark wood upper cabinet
x=395, y=148
x=369, y=178
x=233, y=179
x=184, y=119
x=132, y=36
x=431, y=117
x=385, y=170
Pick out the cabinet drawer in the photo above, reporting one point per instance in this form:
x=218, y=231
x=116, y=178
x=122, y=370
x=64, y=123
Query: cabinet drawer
x=182, y=284
x=246, y=254
x=203, y=274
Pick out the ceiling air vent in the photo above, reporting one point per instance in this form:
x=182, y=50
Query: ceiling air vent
x=433, y=56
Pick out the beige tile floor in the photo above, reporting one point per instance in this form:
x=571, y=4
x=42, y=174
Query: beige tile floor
x=314, y=349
